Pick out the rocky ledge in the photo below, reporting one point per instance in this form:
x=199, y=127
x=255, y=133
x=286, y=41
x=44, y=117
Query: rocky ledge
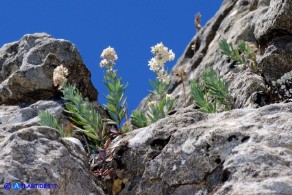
x=244, y=151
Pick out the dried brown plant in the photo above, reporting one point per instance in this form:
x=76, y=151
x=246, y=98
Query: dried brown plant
x=198, y=21
x=182, y=73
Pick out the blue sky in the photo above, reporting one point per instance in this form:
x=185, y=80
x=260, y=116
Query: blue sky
x=130, y=26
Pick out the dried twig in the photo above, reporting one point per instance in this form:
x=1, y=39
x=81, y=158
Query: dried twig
x=198, y=21
x=181, y=73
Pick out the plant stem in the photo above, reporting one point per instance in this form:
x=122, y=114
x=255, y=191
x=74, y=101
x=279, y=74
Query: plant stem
x=184, y=90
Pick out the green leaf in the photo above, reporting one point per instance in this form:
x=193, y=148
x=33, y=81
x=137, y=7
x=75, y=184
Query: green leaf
x=82, y=112
x=215, y=86
x=155, y=87
x=47, y=119
x=116, y=102
x=225, y=47
x=198, y=95
x=215, y=90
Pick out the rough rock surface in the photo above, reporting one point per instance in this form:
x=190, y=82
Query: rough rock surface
x=244, y=151
x=26, y=69
x=20, y=116
x=32, y=154
x=37, y=155
x=263, y=24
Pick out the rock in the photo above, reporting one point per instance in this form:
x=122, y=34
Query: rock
x=31, y=154
x=276, y=21
x=37, y=155
x=277, y=59
x=243, y=151
x=15, y=117
x=34, y=154
x=264, y=25
x=26, y=69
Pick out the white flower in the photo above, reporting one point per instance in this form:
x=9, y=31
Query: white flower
x=171, y=55
x=162, y=53
x=109, y=53
x=109, y=57
x=169, y=97
x=163, y=76
x=156, y=64
x=104, y=63
x=59, y=76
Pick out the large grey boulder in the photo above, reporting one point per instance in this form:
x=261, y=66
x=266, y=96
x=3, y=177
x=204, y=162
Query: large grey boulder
x=37, y=155
x=26, y=69
x=243, y=151
x=265, y=25
x=31, y=154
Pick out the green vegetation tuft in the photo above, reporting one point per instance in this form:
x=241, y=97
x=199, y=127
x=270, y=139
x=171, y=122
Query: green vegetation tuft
x=139, y=119
x=241, y=55
x=212, y=93
x=156, y=109
x=116, y=100
x=83, y=114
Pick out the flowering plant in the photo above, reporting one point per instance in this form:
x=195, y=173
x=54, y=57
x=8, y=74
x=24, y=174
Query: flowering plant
x=116, y=100
x=59, y=76
x=157, y=109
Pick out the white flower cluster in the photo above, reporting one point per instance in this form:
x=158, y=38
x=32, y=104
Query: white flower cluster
x=59, y=76
x=156, y=64
x=109, y=58
x=169, y=97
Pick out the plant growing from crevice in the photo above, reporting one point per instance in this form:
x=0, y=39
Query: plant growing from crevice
x=116, y=100
x=83, y=119
x=211, y=95
x=139, y=119
x=162, y=102
x=240, y=54
x=84, y=115
x=159, y=109
x=90, y=123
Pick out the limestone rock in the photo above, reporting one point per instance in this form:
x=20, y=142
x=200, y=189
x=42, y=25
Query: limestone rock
x=15, y=117
x=37, y=155
x=26, y=69
x=243, y=151
x=276, y=21
x=263, y=24
x=31, y=154
x=277, y=59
